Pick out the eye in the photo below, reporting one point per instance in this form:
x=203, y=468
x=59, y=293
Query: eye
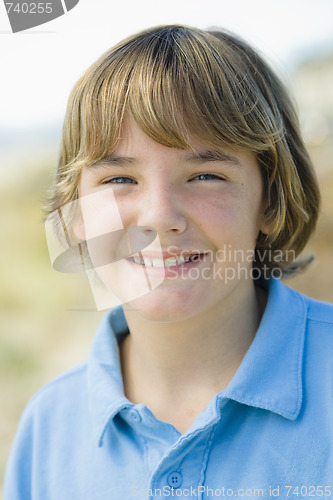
x=118, y=180
x=207, y=177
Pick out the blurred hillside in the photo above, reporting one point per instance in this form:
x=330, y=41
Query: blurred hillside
x=312, y=88
x=312, y=81
x=47, y=319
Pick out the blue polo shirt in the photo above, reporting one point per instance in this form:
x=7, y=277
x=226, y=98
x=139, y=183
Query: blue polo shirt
x=268, y=434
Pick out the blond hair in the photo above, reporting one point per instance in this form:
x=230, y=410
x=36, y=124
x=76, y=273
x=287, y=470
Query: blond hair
x=182, y=84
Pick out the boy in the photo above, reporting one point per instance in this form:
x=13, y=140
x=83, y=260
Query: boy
x=217, y=382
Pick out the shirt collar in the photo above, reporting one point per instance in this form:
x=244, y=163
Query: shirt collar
x=269, y=377
x=104, y=377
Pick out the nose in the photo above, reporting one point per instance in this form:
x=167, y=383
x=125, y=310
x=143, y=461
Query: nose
x=160, y=207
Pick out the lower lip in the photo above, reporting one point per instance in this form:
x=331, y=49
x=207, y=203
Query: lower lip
x=170, y=271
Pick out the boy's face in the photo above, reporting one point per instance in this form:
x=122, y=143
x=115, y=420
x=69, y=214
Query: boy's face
x=207, y=210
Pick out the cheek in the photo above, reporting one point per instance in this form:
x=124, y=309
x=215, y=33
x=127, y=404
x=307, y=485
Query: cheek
x=100, y=214
x=232, y=220
x=127, y=210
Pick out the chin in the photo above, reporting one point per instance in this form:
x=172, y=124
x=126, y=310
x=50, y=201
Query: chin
x=164, y=307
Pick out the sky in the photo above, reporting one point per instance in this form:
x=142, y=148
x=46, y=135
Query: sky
x=39, y=66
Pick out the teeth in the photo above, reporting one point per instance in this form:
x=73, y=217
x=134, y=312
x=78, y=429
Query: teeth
x=191, y=258
x=157, y=262
x=171, y=261
x=147, y=262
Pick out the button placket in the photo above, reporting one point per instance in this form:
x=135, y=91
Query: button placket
x=187, y=468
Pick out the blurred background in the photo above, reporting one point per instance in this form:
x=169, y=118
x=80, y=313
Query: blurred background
x=47, y=319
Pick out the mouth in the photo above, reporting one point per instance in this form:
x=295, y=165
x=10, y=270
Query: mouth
x=169, y=262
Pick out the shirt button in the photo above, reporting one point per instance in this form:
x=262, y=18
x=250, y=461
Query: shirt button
x=175, y=479
x=135, y=415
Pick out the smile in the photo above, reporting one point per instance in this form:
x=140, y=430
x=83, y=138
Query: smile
x=169, y=262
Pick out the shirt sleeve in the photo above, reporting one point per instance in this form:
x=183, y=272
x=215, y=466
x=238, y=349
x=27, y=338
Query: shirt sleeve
x=18, y=475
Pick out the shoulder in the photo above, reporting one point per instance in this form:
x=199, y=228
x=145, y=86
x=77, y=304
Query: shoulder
x=66, y=390
x=320, y=312
x=297, y=312
x=314, y=312
x=55, y=419
x=65, y=394
x=319, y=330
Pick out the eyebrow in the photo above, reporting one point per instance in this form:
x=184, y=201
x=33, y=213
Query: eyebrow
x=195, y=157
x=114, y=160
x=203, y=156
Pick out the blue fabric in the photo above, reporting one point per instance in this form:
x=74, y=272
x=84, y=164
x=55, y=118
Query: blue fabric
x=271, y=429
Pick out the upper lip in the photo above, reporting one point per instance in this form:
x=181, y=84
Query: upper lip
x=167, y=254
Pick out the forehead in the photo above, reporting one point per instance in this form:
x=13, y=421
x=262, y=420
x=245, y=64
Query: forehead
x=134, y=143
x=138, y=153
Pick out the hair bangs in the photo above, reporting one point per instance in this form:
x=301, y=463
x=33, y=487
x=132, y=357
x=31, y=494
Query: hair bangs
x=179, y=87
x=181, y=91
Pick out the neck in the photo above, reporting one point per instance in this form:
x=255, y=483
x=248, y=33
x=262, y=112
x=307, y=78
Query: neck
x=196, y=357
